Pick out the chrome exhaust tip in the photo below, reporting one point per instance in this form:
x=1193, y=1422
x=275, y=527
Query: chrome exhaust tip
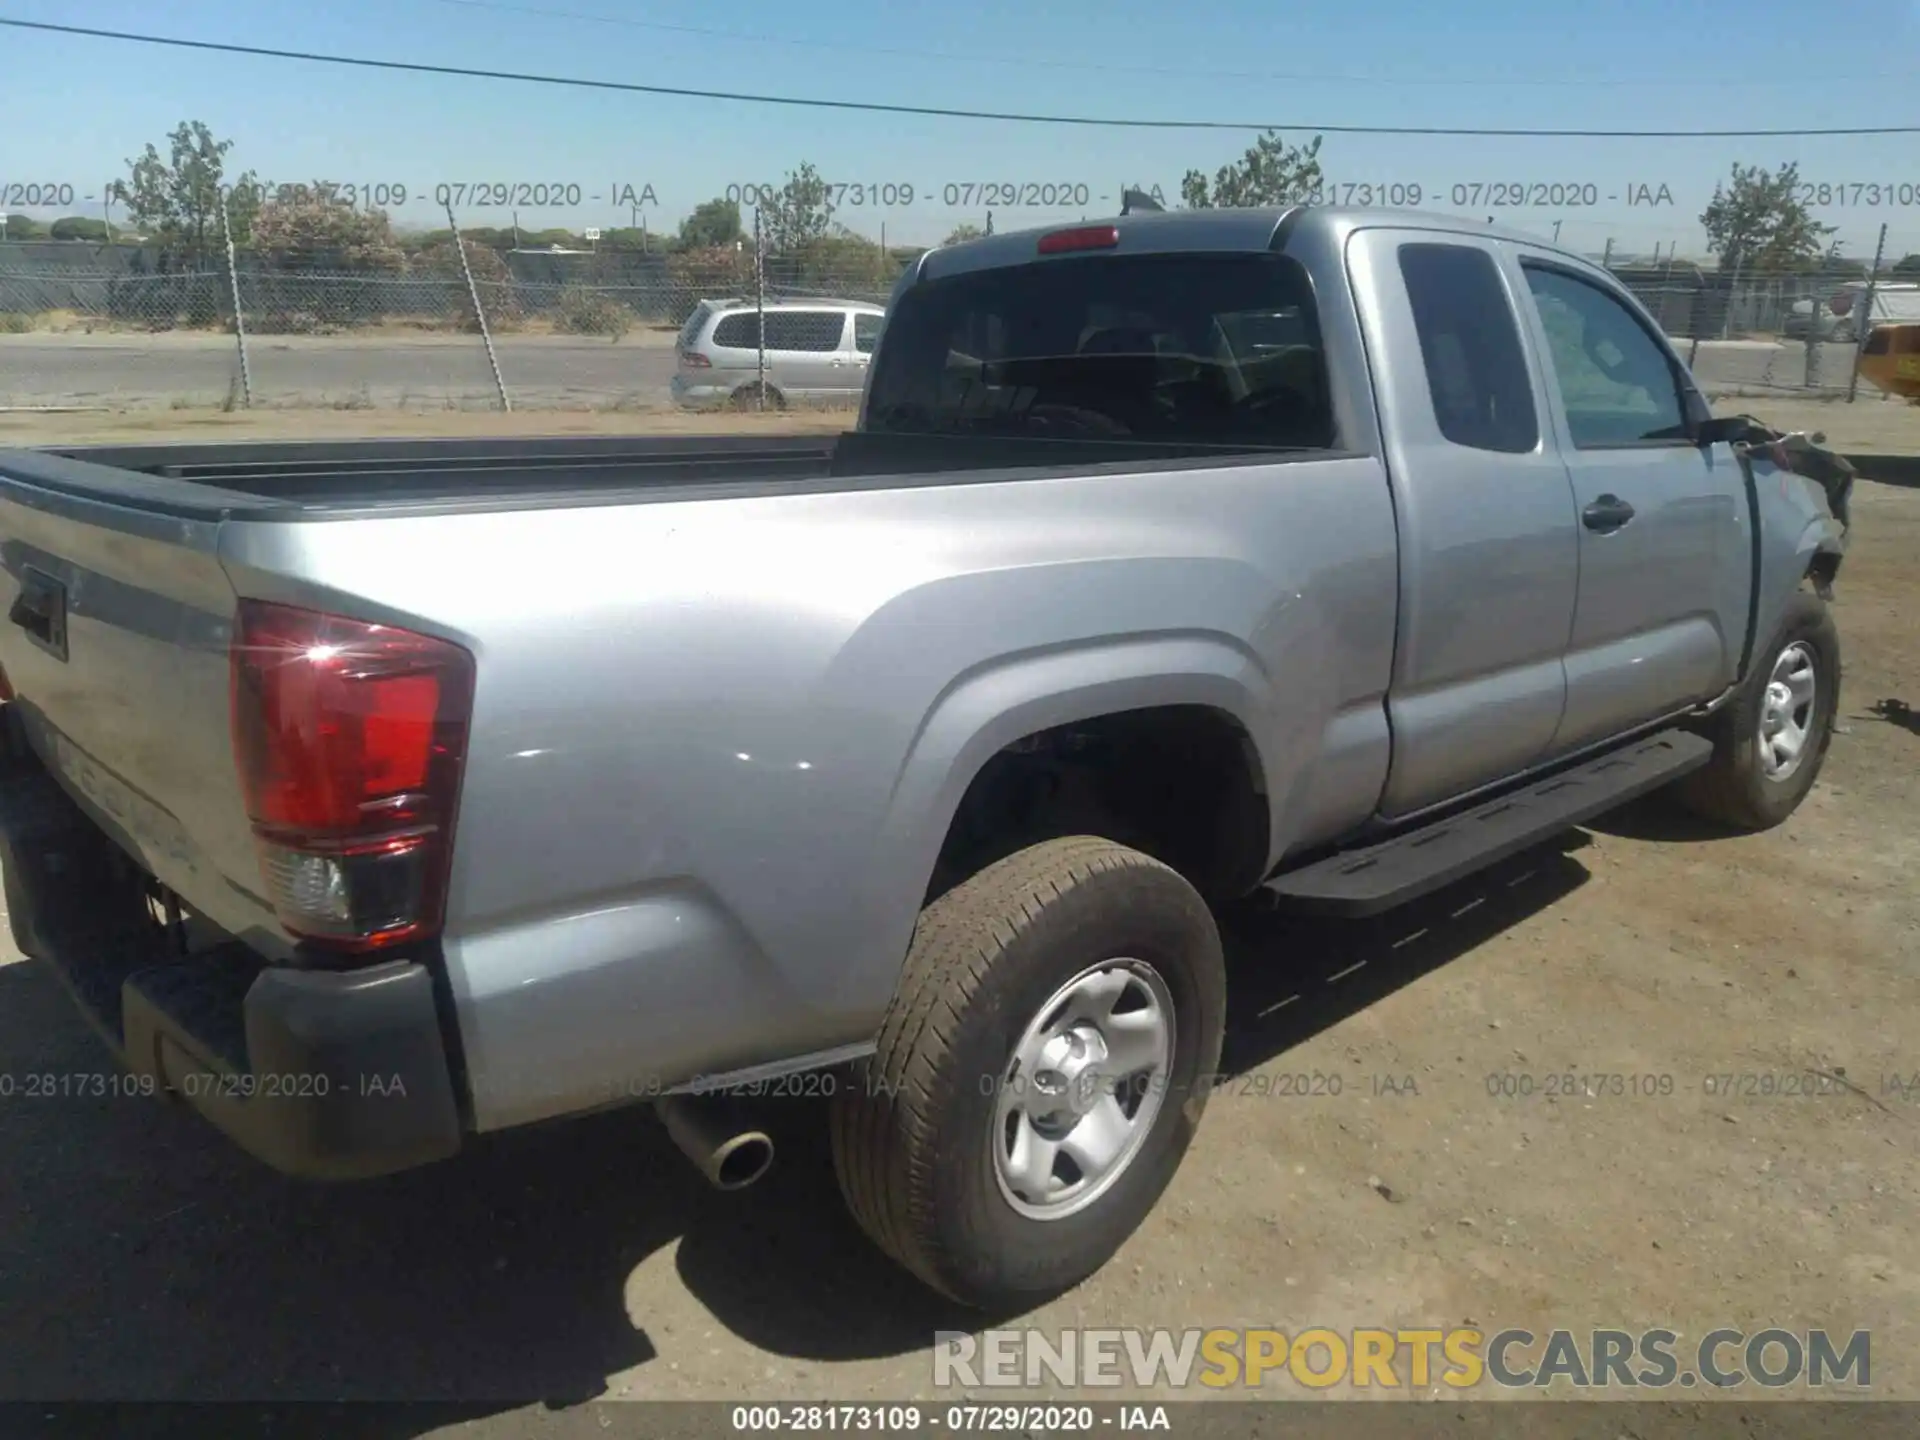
x=714, y=1133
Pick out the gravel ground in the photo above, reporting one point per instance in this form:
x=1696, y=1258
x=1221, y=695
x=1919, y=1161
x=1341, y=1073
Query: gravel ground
x=141, y=1257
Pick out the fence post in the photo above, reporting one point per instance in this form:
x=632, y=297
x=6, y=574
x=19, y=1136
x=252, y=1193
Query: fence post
x=479, y=310
x=1606, y=255
x=1810, y=377
x=1733, y=291
x=760, y=310
x=1864, y=325
x=239, y=320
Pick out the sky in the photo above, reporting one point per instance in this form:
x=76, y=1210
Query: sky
x=77, y=108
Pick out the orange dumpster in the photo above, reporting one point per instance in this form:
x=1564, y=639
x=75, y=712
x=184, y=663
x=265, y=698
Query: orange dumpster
x=1890, y=360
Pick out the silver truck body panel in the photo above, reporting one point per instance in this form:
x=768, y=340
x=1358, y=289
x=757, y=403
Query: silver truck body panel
x=717, y=742
x=699, y=818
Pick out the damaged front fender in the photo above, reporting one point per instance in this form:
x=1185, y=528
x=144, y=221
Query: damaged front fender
x=1802, y=498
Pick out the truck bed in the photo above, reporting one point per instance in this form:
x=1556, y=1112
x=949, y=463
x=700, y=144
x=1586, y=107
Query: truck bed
x=338, y=478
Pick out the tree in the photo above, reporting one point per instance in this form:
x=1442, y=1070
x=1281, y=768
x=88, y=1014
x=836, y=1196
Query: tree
x=313, y=231
x=710, y=273
x=963, y=233
x=1756, y=222
x=1272, y=172
x=629, y=237
x=1908, y=266
x=20, y=227
x=177, y=200
x=491, y=277
x=713, y=222
x=841, y=260
x=797, y=214
x=79, y=227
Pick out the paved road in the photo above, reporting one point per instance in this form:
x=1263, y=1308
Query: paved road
x=381, y=371
x=541, y=372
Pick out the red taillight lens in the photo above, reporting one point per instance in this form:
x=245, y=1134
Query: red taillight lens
x=1841, y=303
x=1086, y=237
x=694, y=360
x=349, y=739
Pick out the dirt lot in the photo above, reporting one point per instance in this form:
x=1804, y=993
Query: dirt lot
x=140, y=1257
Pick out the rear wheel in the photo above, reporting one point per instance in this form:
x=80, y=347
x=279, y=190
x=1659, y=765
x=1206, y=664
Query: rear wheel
x=1040, y=1074
x=747, y=397
x=1771, y=739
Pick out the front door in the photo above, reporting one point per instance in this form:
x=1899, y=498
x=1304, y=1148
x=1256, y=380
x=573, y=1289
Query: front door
x=1664, y=546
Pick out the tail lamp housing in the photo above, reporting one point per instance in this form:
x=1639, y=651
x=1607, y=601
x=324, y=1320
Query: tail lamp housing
x=350, y=739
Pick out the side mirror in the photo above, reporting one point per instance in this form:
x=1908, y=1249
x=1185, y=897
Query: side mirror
x=1721, y=429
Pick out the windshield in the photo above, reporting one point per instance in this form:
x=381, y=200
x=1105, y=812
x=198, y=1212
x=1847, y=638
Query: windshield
x=1207, y=348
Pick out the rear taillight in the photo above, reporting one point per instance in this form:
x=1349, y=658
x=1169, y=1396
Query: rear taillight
x=349, y=739
x=694, y=360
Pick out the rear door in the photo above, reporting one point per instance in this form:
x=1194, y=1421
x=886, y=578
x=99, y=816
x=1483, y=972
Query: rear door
x=1488, y=544
x=807, y=349
x=1665, y=556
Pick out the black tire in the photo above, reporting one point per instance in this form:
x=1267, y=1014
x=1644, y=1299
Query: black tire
x=912, y=1133
x=1733, y=788
x=747, y=397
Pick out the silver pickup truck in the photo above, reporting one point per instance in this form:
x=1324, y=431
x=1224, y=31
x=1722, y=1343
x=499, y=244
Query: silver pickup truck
x=373, y=797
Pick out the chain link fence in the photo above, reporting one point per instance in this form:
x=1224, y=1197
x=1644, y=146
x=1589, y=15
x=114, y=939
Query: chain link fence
x=97, y=326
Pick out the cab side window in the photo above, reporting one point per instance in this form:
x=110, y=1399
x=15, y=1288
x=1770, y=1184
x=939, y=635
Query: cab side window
x=1617, y=384
x=1470, y=345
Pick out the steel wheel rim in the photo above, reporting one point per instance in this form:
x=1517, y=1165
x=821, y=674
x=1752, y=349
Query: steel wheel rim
x=1082, y=1089
x=1786, y=711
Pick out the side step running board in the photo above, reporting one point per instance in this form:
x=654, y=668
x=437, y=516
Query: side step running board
x=1378, y=877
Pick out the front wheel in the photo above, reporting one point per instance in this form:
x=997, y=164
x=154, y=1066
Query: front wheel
x=1771, y=739
x=1040, y=1074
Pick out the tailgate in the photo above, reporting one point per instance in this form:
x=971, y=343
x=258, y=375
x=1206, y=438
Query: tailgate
x=117, y=613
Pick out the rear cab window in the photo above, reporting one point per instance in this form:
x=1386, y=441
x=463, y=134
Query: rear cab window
x=1215, y=348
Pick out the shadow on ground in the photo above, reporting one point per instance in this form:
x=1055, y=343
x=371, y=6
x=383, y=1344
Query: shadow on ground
x=1657, y=818
x=1897, y=713
x=142, y=1258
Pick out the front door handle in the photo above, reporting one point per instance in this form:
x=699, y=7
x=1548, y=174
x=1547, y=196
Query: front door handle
x=1606, y=514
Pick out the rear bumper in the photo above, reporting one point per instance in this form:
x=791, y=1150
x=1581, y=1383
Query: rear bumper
x=322, y=1075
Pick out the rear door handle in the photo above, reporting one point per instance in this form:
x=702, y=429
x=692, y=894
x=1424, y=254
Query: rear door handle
x=1606, y=514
